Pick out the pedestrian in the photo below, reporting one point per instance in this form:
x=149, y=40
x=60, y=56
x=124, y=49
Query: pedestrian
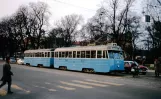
x=6, y=78
x=156, y=66
x=135, y=69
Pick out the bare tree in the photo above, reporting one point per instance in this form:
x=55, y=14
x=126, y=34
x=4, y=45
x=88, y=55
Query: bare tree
x=69, y=25
x=96, y=30
x=118, y=18
x=39, y=16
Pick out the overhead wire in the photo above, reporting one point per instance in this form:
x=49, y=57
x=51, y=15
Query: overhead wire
x=74, y=5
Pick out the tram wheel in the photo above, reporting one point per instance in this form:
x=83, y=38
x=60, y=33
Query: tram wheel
x=65, y=68
x=91, y=71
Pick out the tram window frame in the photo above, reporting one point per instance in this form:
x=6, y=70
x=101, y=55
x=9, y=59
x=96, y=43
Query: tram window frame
x=39, y=54
x=42, y=54
x=74, y=54
x=93, y=55
x=52, y=54
x=48, y=54
x=83, y=54
x=66, y=54
x=70, y=54
x=78, y=54
x=88, y=54
x=56, y=54
x=60, y=54
x=99, y=55
x=63, y=54
x=105, y=54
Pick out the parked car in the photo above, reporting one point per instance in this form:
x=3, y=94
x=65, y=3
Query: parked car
x=142, y=69
x=12, y=60
x=20, y=61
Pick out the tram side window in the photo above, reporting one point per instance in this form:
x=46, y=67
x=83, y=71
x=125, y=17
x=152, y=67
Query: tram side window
x=88, y=54
x=93, y=54
x=33, y=54
x=63, y=54
x=78, y=54
x=82, y=54
x=70, y=54
x=29, y=55
x=60, y=54
x=42, y=54
x=45, y=54
x=66, y=54
x=74, y=54
x=36, y=54
x=56, y=54
x=99, y=54
x=105, y=54
x=52, y=54
x=48, y=54
x=39, y=54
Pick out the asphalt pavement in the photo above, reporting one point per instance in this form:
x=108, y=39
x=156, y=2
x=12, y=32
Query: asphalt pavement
x=44, y=83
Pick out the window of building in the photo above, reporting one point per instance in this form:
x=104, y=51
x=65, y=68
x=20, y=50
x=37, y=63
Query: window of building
x=93, y=54
x=99, y=54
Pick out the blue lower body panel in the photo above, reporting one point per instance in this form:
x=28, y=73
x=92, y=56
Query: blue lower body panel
x=46, y=62
x=99, y=65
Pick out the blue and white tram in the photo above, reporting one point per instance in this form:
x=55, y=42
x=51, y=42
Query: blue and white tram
x=40, y=57
x=101, y=58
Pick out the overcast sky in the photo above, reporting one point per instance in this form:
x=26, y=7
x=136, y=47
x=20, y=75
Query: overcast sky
x=60, y=8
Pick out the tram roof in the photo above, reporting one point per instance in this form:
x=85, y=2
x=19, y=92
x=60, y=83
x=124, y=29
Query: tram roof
x=38, y=50
x=84, y=48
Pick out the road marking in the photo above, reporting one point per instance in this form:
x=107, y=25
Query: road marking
x=51, y=90
x=43, y=87
x=3, y=92
x=109, y=83
x=36, y=86
x=66, y=88
x=89, y=83
x=76, y=85
x=47, y=83
x=19, y=88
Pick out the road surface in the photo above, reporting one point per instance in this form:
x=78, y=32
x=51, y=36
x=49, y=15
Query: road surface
x=43, y=83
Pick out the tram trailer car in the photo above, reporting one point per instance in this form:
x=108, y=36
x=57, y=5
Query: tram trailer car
x=40, y=57
x=101, y=58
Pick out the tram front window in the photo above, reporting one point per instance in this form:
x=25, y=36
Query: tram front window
x=115, y=55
